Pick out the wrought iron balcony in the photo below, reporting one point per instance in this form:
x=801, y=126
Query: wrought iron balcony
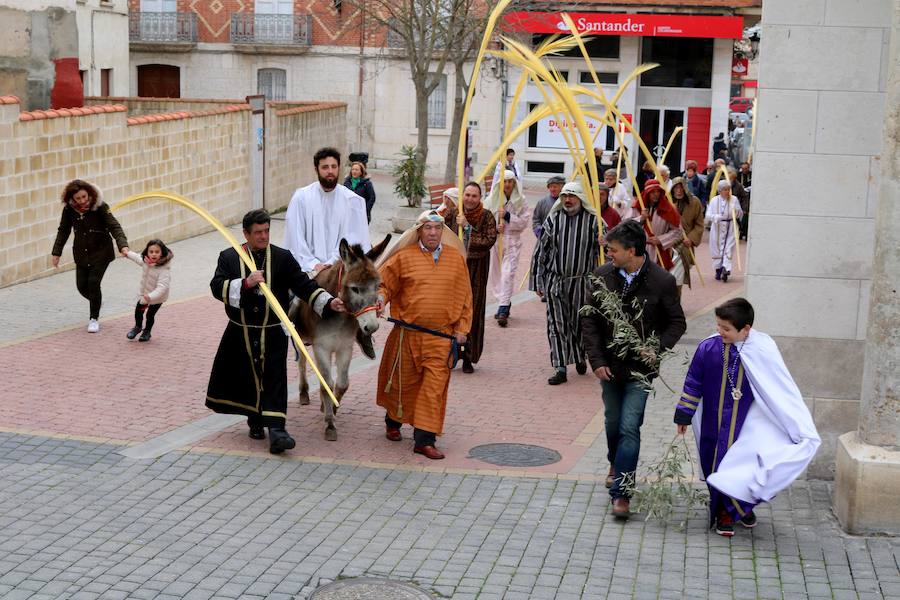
x=162, y=27
x=250, y=28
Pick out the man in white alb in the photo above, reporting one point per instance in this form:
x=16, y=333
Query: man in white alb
x=319, y=216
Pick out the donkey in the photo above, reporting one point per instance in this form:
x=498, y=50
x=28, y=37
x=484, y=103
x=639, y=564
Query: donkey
x=354, y=280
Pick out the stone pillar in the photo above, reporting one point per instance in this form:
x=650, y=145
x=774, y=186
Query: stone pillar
x=867, y=483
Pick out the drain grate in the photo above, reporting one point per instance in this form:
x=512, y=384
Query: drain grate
x=368, y=588
x=515, y=455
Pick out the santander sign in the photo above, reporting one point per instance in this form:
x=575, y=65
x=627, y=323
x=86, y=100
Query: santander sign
x=649, y=25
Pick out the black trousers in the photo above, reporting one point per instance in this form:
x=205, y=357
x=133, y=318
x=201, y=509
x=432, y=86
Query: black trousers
x=151, y=310
x=420, y=436
x=87, y=279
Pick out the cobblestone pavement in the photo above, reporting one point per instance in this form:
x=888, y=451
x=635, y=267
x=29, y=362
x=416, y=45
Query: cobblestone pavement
x=79, y=521
x=218, y=517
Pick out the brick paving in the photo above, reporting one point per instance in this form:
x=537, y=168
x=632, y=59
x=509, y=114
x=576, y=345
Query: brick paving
x=224, y=519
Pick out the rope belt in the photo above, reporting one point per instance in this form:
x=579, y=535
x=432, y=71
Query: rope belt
x=452, y=359
x=455, y=347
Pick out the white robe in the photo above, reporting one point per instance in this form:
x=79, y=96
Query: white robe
x=778, y=439
x=316, y=221
x=721, y=231
x=620, y=199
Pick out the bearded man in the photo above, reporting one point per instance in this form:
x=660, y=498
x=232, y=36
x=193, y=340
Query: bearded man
x=319, y=216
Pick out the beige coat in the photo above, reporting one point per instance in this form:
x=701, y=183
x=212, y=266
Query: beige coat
x=155, y=279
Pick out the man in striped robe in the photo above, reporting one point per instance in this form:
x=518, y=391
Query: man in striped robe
x=569, y=249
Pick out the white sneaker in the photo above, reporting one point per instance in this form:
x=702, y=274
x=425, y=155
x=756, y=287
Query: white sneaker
x=93, y=326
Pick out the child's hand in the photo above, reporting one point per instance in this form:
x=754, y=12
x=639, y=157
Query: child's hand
x=682, y=429
x=145, y=299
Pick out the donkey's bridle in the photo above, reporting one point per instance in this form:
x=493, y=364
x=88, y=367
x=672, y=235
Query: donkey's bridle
x=363, y=310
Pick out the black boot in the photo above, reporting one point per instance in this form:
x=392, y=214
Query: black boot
x=503, y=315
x=719, y=274
x=279, y=441
x=725, y=275
x=145, y=337
x=257, y=431
x=467, y=366
x=133, y=333
x=558, y=378
x=365, y=343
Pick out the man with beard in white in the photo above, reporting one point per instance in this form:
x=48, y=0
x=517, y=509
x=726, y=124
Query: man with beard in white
x=319, y=216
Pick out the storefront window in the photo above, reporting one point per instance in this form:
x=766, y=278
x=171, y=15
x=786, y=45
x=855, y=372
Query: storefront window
x=683, y=62
x=599, y=46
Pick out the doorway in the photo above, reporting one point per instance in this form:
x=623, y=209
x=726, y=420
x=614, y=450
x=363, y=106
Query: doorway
x=159, y=81
x=655, y=127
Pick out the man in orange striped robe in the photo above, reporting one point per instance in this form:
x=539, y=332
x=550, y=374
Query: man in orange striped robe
x=425, y=281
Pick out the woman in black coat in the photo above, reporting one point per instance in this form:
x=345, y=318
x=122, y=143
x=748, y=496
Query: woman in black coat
x=361, y=185
x=95, y=229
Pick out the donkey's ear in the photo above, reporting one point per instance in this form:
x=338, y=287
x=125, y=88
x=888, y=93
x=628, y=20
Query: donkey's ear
x=376, y=251
x=346, y=252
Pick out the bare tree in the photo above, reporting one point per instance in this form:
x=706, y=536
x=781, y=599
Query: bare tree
x=427, y=32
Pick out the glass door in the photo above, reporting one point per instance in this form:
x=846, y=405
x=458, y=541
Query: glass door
x=655, y=128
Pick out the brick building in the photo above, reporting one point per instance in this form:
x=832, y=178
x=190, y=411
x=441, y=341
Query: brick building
x=328, y=50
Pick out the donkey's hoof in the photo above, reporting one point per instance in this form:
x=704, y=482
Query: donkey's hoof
x=304, y=399
x=330, y=434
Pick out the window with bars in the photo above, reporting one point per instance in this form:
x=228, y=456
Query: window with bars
x=272, y=83
x=437, y=106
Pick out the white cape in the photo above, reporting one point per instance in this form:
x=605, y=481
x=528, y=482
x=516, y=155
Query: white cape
x=316, y=221
x=778, y=439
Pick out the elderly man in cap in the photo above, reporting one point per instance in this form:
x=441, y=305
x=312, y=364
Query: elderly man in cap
x=568, y=251
x=513, y=215
x=723, y=211
x=542, y=208
x=425, y=281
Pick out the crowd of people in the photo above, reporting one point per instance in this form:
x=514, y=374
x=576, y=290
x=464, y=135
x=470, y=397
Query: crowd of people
x=611, y=276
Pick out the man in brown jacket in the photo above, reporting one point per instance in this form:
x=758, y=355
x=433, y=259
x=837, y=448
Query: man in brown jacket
x=649, y=300
x=692, y=214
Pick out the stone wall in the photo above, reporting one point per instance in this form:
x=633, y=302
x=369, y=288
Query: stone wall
x=820, y=120
x=201, y=157
x=293, y=134
x=201, y=154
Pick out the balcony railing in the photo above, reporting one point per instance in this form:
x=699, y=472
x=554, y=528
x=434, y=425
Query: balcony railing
x=250, y=28
x=162, y=27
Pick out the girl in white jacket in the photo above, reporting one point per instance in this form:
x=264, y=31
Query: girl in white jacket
x=154, y=290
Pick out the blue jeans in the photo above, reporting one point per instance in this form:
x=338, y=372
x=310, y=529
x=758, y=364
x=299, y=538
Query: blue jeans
x=624, y=404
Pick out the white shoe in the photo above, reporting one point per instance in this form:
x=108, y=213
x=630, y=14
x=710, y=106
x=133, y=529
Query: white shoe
x=93, y=326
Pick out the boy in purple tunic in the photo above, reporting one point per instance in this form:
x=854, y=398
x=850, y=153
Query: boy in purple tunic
x=754, y=433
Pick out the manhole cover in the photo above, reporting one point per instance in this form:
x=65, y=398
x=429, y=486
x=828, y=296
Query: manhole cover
x=369, y=588
x=515, y=455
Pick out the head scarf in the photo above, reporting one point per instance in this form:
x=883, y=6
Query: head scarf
x=664, y=207
x=687, y=190
x=574, y=188
x=451, y=194
x=411, y=236
x=497, y=198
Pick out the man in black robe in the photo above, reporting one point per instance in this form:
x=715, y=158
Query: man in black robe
x=249, y=374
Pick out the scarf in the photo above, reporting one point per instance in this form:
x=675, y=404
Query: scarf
x=474, y=216
x=354, y=181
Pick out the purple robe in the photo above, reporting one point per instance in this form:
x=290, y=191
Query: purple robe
x=708, y=390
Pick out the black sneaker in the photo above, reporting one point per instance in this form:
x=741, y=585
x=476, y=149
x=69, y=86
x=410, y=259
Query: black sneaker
x=257, y=433
x=725, y=275
x=719, y=274
x=581, y=368
x=749, y=520
x=133, y=333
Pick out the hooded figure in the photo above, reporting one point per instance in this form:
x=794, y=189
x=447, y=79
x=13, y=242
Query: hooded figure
x=449, y=200
x=513, y=216
x=721, y=213
x=426, y=283
x=662, y=224
x=567, y=252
